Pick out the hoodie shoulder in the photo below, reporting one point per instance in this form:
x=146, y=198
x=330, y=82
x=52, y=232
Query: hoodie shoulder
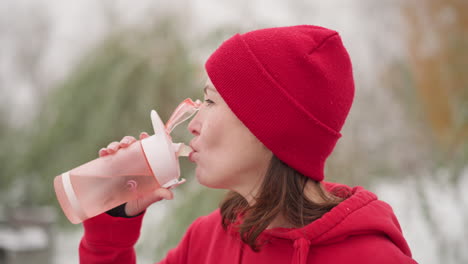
x=368, y=228
x=363, y=249
x=363, y=214
x=361, y=227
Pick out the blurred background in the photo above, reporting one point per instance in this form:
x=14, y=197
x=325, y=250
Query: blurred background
x=77, y=75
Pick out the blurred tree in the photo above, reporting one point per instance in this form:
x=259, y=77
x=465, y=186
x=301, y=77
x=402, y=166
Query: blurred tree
x=5, y=132
x=23, y=47
x=109, y=95
x=432, y=86
x=438, y=60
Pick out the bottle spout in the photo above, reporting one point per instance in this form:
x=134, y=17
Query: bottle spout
x=181, y=149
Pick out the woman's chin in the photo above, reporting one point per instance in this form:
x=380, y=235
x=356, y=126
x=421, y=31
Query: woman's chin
x=199, y=175
x=206, y=181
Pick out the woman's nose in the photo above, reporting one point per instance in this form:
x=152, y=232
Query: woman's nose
x=194, y=125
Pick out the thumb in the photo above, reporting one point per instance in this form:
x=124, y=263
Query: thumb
x=158, y=195
x=163, y=193
x=137, y=206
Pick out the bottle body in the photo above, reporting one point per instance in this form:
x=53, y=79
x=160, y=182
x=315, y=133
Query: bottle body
x=104, y=183
x=128, y=174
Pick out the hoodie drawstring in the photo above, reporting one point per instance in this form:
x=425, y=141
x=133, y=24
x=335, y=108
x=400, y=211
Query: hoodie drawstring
x=301, y=251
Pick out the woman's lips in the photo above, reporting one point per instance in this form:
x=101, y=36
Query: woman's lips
x=191, y=156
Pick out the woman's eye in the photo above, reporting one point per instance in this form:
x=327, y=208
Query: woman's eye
x=209, y=102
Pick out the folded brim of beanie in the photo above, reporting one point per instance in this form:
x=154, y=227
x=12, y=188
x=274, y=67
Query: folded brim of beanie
x=268, y=111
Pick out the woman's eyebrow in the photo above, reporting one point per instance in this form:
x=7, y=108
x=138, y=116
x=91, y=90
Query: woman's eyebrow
x=207, y=87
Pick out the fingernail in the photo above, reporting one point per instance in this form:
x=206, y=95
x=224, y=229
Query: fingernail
x=102, y=152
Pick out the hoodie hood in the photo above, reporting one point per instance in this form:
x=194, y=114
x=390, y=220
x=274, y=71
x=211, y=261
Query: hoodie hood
x=361, y=213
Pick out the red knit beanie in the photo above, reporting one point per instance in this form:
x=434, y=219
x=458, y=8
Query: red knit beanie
x=292, y=87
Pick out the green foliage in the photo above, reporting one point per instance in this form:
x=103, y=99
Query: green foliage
x=109, y=95
x=5, y=138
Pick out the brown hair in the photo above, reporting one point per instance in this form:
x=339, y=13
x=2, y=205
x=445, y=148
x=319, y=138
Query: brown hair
x=281, y=194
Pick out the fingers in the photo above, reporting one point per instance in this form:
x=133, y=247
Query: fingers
x=125, y=142
x=113, y=147
x=144, y=135
x=103, y=152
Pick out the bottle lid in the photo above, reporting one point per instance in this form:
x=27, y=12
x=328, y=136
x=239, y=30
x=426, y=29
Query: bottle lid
x=161, y=152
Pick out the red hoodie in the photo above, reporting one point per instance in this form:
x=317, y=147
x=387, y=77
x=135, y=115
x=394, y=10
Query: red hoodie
x=360, y=229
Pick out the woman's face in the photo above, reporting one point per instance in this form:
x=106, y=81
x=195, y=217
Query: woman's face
x=227, y=154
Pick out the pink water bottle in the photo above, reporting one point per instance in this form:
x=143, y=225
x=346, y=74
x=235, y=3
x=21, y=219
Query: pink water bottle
x=132, y=172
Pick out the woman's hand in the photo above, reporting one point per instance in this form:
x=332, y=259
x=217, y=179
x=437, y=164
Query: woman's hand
x=139, y=205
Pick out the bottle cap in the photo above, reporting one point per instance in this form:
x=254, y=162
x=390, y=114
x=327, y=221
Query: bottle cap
x=161, y=152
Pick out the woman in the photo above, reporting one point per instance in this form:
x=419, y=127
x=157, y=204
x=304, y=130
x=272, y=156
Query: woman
x=275, y=102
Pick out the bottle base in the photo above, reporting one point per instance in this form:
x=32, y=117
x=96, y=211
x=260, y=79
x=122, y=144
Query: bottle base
x=64, y=202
